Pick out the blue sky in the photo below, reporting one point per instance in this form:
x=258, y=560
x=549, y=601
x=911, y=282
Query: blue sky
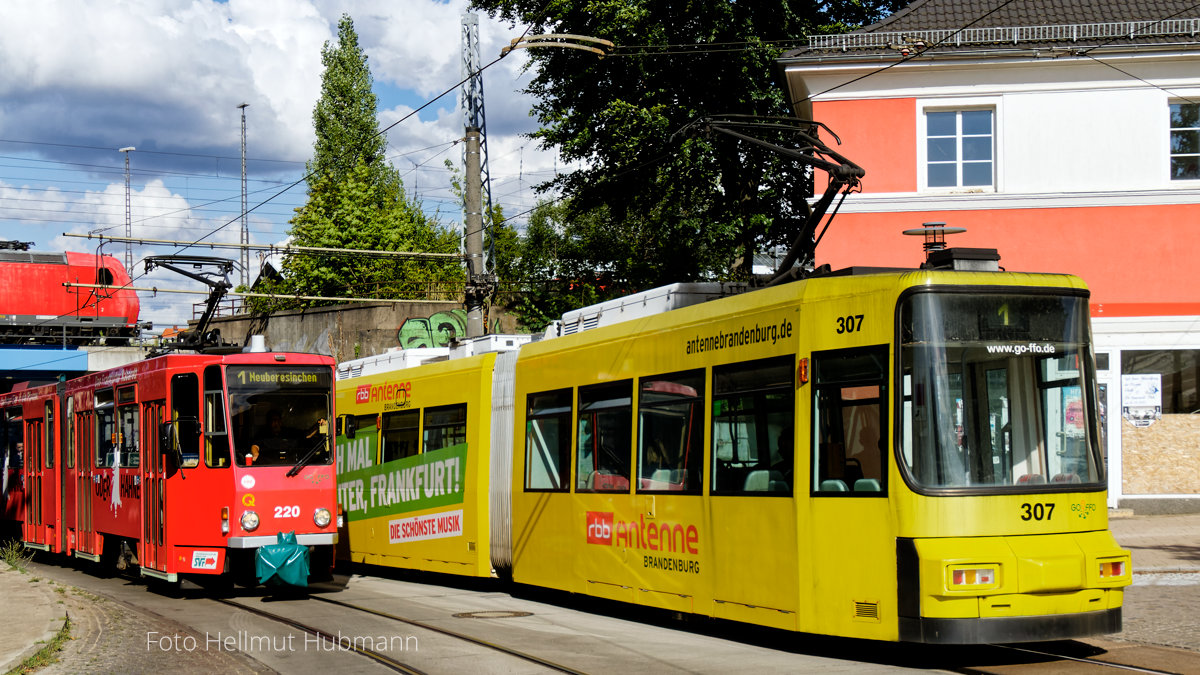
x=166, y=76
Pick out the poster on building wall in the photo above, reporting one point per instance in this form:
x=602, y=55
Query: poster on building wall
x=1141, y=398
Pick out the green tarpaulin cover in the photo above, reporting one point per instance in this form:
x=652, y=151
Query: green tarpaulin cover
x=283, y=563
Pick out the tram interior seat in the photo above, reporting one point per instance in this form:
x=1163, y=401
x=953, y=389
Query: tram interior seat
x=867, y=485
x=1032, y=479
x=1066, y=478
x=833, y=485
x=765, y=481
x=664, y=479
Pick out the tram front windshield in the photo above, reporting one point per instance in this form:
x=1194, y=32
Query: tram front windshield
x=996, y=391
x=280, y=414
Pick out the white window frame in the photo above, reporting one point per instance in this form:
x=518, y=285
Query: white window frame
x=1190, y=100
x=958, y=105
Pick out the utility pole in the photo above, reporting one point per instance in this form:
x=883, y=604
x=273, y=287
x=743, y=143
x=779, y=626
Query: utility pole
x=480, y=281
x=478, y=287
x=245, y=240
x=128, y=213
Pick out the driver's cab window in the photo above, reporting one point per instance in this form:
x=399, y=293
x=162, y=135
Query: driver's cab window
x=216, y=430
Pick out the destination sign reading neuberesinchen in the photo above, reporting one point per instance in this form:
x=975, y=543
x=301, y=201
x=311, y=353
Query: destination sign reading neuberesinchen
x=279, y=377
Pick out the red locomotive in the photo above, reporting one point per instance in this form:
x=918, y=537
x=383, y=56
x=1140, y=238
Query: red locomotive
x=179, y=464
x=35, y=306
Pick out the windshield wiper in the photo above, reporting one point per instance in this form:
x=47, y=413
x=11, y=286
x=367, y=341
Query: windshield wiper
x=308, y=457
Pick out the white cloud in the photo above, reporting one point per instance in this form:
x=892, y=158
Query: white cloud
x=167, y=75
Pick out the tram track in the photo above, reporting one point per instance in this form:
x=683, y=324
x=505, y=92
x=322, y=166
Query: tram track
x=454, y=634
x=379, y=657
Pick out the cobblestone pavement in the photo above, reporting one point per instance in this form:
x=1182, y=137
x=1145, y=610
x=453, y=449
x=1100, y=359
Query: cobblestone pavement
x=1160, y=609
x=108, y=636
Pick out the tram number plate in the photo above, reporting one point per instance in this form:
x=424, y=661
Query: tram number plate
x=849, y=324
x=1036, y=511
x=287, y=511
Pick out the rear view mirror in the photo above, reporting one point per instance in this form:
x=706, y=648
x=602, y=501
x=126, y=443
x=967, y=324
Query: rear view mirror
x=180, y=440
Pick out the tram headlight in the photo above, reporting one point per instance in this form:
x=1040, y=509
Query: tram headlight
x=249, y=521
x=321, y=517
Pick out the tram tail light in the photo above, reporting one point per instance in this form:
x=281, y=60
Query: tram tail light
x=224, y=520
x=973, y=576
x=1112, y=569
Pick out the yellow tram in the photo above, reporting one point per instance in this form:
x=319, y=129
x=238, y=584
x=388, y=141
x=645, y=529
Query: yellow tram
x=892, y=455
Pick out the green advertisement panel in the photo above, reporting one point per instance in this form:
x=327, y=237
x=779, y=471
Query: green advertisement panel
x=424, y=481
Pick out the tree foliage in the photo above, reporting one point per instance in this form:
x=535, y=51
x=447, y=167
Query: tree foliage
x=356, y=200
x=670, y=206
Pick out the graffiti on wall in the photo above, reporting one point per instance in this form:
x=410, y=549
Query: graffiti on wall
x=436, y=330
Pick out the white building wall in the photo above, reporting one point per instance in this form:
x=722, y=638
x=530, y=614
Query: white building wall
x=1077, y=141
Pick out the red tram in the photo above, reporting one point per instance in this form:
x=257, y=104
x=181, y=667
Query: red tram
x=179, y=464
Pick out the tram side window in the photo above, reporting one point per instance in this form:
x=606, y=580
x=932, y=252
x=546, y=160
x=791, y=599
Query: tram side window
x=70, y=426
x=85, y=433
x=51, y=448
x=106, y=429
x=127, y=435
x=12, y=439
x=753, y=427
x=605, y=437
x=445, y=427
x=850, y=422
x=548, y=441
x=401, y=434
x=671, y=432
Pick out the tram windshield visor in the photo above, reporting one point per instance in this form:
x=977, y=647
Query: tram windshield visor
x=280, y=414
x=996, y=392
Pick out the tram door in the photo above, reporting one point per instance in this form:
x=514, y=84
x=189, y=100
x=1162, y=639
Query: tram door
x=41, y=506
x=67, y=471
x=84, y=438
x=154, y=480
x=852, y=537
x=753, y=507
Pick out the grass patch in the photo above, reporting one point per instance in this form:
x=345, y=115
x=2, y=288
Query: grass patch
x=48, y=654
x=15, y=555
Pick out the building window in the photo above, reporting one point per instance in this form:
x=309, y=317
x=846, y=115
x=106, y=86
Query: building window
x=959, y=148
x=1185, y=141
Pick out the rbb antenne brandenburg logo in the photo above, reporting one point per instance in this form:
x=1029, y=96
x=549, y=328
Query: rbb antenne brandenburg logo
x=599, y=527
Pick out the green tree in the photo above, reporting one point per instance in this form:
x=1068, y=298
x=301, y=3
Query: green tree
x=344, y=117
x=356, y=200
x=673, y=207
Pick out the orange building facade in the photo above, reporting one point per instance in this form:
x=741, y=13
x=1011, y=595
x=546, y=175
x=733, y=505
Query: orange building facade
x=1065, y=155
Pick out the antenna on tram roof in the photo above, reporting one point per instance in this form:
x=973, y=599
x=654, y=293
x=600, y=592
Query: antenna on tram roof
x=938, y=257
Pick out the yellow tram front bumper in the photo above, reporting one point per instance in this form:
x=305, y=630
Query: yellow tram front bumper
x=1011, y=588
